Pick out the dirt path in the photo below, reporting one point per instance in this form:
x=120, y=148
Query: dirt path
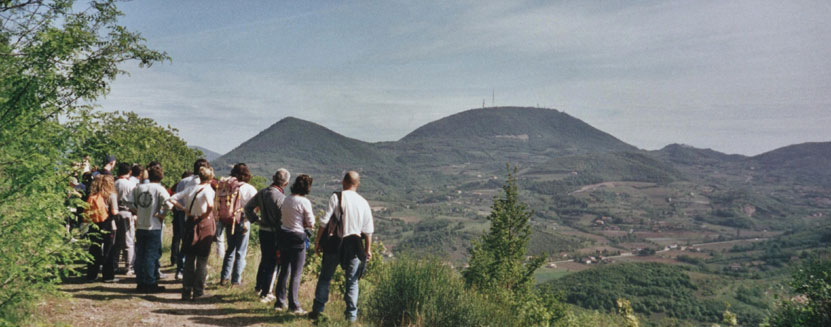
x=118, y=304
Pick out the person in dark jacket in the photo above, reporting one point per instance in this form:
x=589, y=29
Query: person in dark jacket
x=268, y=201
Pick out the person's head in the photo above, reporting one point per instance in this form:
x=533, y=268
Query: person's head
x=187, y=173
x=281, y=178
x=108, y=163
x=241, y=172
x=103, y=185
x=302, y=185
x=136, y=170
x=351, y=180
x=155, y=173
x=123, y=169
x=206, y=174
x=199, y=163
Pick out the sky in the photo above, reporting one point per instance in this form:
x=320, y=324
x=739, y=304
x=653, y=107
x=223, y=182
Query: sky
x=736, y=76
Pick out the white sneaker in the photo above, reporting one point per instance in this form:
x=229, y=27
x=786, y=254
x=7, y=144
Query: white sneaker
x=267, y=298
x=299, y=312
x=179, y=276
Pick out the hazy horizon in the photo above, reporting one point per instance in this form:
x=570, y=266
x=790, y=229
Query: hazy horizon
x=738, y=77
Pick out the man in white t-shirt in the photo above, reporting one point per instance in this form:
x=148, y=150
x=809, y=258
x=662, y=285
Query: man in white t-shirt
x=149, y=199
x=126, y=234
x=356, y=230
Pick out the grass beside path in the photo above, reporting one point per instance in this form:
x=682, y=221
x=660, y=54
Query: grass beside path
x=117, y=304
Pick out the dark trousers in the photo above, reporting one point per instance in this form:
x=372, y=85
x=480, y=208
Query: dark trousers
x=103, y=251
x=148, y=246
x=176, y=255
x=196, y=269
x=268, y=262
x=290, y=260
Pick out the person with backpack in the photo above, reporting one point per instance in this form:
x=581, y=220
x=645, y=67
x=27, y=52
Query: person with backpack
x=176, y=257
x=148, y=200
x=102, y=210
x=269, y=201
x=345, y=238
x=125, y=236
x=200, y=231
x=233, y=194
x=297, y=215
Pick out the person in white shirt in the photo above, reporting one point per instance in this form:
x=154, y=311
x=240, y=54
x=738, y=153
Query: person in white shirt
x=148, y=200
x=297, y=215
x=126, y=219
x=237, y=236
x=184, y=186
x=136, y=171
x=349, y=219
x=200, y=231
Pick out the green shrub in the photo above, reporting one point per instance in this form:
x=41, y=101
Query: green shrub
x=411, y=292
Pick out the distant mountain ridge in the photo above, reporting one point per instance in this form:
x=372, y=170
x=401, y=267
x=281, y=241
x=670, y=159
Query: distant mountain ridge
x=491, y=135
x=488, y=138
x=686, y=154
x=302, y=146
x=210, y=155
x=517, y=134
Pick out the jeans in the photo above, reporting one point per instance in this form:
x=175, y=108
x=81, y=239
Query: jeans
x=268, y=261
x=196, y=269
x=102, y=250
x=235, y=254
x=220, y=240
x=148, y=245
x=351, y=266
x=290, y=260
x=176, y=255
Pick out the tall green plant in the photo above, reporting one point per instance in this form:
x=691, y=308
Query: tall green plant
x=499, y=266
x=55, y=60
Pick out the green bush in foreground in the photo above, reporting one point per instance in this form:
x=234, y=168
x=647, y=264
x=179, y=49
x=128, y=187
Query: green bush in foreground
x=811, y=306
x=412, y=292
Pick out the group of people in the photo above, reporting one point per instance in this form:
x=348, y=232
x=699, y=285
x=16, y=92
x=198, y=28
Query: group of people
x=129, y=209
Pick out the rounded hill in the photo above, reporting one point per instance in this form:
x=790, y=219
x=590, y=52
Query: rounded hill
x=516, y=134
x=300, y=145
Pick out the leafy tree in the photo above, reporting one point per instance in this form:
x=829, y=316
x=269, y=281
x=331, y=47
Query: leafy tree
x=134, y=139
x=498, y=264
x=811, y=306
x=55, y=61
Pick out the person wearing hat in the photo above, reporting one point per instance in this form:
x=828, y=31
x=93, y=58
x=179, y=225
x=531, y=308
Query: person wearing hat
x=107, y=166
